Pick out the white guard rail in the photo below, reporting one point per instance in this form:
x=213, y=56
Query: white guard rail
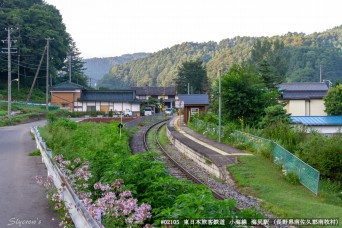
x=79, y=214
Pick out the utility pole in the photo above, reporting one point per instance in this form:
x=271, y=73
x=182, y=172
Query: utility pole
x=9, y=72
x=9, y=44
x=69, y=66
x=320, y=73
x=47, y=73
x=35, y=77
x=220, y=101
x=18, y=69
x=18, y=65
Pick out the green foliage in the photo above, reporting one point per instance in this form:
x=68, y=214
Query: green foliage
x=274, y=115
x=109, y=159
x=51, y=118
x=98, y=67
x=286, y=135
x=333, y=100
x=196, y=206
x=271, y=60
x=194, y=74
x=331, y=191
x=290, y=57
x=260, y=177
x=323, y=153
x=292, y=178
x=36, y=20
x=35, y=153
x=244, y=95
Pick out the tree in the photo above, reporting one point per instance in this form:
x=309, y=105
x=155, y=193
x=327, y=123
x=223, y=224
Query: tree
x=274, y=115
x=244, y=95
x=36, y=21
x=194, y=74
x=333, y=100
x=77, y=66
x=271, y=59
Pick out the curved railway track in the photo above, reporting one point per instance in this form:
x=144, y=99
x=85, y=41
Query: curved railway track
x=173, y=166
x=220, y=190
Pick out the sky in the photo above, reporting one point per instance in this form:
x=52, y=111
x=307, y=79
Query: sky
x=108, y=28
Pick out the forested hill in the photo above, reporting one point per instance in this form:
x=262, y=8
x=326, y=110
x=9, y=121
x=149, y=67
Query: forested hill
x=97, y=67
x=298, y=58
x=31, y=24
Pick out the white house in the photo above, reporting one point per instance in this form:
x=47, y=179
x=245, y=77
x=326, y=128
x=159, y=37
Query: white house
x=304, y=98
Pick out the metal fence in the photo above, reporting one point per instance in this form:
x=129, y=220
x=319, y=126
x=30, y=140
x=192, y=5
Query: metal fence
x=79, y=213
x=308, y=176
x=30, y=104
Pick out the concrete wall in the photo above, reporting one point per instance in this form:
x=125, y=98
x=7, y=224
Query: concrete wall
x=196, y=157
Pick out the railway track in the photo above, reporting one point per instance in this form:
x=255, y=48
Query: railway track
x=175, y=164
x=172, y=165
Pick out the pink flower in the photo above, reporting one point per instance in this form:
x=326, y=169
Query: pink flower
x=39, y=180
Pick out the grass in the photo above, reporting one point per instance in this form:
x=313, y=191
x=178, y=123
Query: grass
x=163, y=139
x=35, y=153
x=261, y=178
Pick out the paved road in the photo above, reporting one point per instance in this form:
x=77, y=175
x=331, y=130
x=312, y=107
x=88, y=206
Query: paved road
x=22, y=201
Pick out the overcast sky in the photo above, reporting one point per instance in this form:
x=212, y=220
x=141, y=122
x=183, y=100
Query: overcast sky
x=107, y=28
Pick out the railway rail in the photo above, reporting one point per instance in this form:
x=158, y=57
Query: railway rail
x=175, y=164
x=174, y=167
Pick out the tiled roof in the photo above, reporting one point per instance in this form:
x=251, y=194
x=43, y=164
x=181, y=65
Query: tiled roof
x=303, y=90
x=199, y=99
x=109, y=96
x=151, y=90
x=66, y=86
x=304, y=86
x=317, y=120
x=296, y=95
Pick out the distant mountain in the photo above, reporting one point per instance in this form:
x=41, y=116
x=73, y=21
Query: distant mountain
x=96, y=68
x=301, y=59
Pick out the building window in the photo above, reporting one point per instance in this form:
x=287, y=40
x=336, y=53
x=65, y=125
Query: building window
x=194, y=111
x=91, y=108
x=65, y=105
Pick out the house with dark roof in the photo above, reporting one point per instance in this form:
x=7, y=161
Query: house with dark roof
x=194, y=104
x=168, y=94
x=65, y=94
x=304, y=98
x=321, y=124
x=106, y=100
x=76, y=98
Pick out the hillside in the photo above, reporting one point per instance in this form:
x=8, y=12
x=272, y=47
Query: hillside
x=96, y=68
x=301, y=59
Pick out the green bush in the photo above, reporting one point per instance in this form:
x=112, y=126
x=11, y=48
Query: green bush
x=292, y=178
x=286, y=135
x=35, y=153
x=109, y=159
x=266, y=150
x=323, y=153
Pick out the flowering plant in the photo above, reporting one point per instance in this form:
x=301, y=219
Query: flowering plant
x=106, y=203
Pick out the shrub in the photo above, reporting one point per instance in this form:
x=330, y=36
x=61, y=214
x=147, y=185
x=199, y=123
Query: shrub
x=323, y=153
x=292, y=178
x=266, y=150
x=35, y=153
